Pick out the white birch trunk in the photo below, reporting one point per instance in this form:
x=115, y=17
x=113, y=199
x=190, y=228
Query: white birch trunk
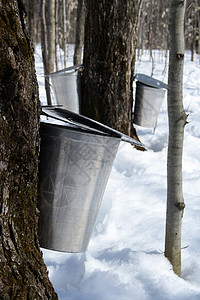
x=177, y=121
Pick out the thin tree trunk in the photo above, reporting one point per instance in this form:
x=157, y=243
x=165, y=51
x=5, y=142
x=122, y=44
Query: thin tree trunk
x=50, y=24
x=177, y=121
x=23, y=274
x=198, y=31
x=68, y=24
x=64, y=33
x=56, y=32
x=80, y=28
x=44, y=51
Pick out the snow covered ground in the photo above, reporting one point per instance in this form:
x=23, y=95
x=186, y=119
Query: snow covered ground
x=125, y=259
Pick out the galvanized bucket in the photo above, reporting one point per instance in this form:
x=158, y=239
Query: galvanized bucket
x=148, y=100
x=75, y=164
x=67, y=88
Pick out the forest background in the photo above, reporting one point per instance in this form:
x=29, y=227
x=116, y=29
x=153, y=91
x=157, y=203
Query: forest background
x=61, y=28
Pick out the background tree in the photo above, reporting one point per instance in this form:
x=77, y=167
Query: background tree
x=109, y=56
x=50, y=22
x=177, y=121
x=33, y=8
x=23, y=274
x=80, y=28
x=192, y=27
x=44, y=47
x=152, y=24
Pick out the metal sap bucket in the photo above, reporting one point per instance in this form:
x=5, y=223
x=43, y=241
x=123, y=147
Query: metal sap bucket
x=149, y=96
x=75, y=163
x=67, y=87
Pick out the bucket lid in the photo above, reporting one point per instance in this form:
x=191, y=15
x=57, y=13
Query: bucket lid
x=66, y=70
x=87, y=124
x=149, y=81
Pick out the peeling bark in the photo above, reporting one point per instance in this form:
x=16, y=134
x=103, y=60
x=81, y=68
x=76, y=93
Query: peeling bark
x=23, y=274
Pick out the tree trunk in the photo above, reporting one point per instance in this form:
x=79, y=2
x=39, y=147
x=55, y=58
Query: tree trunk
x=56, y=32
x=44, y=50
x=109, y=57
x=80, y=28
x=33, y=17
x=64, y=33
x=177, y=121
x=50, y=22
x=23, y=274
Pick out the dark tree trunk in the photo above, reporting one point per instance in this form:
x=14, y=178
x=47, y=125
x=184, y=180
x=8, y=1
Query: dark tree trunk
x=109, y=57
x=23, y=274
x=33, y=8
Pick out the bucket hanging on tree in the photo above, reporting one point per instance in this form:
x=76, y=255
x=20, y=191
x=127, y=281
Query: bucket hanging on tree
x=76, y=159
x=149, y=96
x=67, y=87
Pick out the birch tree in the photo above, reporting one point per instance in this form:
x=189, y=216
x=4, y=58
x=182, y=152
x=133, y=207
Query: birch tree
x=177, y=121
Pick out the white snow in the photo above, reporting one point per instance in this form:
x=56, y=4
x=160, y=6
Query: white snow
x=125, y=258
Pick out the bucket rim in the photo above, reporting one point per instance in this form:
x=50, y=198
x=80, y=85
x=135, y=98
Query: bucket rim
x=150, y=81
x=76, y=129
x=86, y=123
x=66, y=71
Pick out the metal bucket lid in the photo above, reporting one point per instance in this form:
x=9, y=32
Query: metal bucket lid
x=151, y=82
x=87, y=124
x=66, y=71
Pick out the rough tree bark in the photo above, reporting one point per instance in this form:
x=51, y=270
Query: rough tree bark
x=23, y=274
x=109, y=57
x=177, y=121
